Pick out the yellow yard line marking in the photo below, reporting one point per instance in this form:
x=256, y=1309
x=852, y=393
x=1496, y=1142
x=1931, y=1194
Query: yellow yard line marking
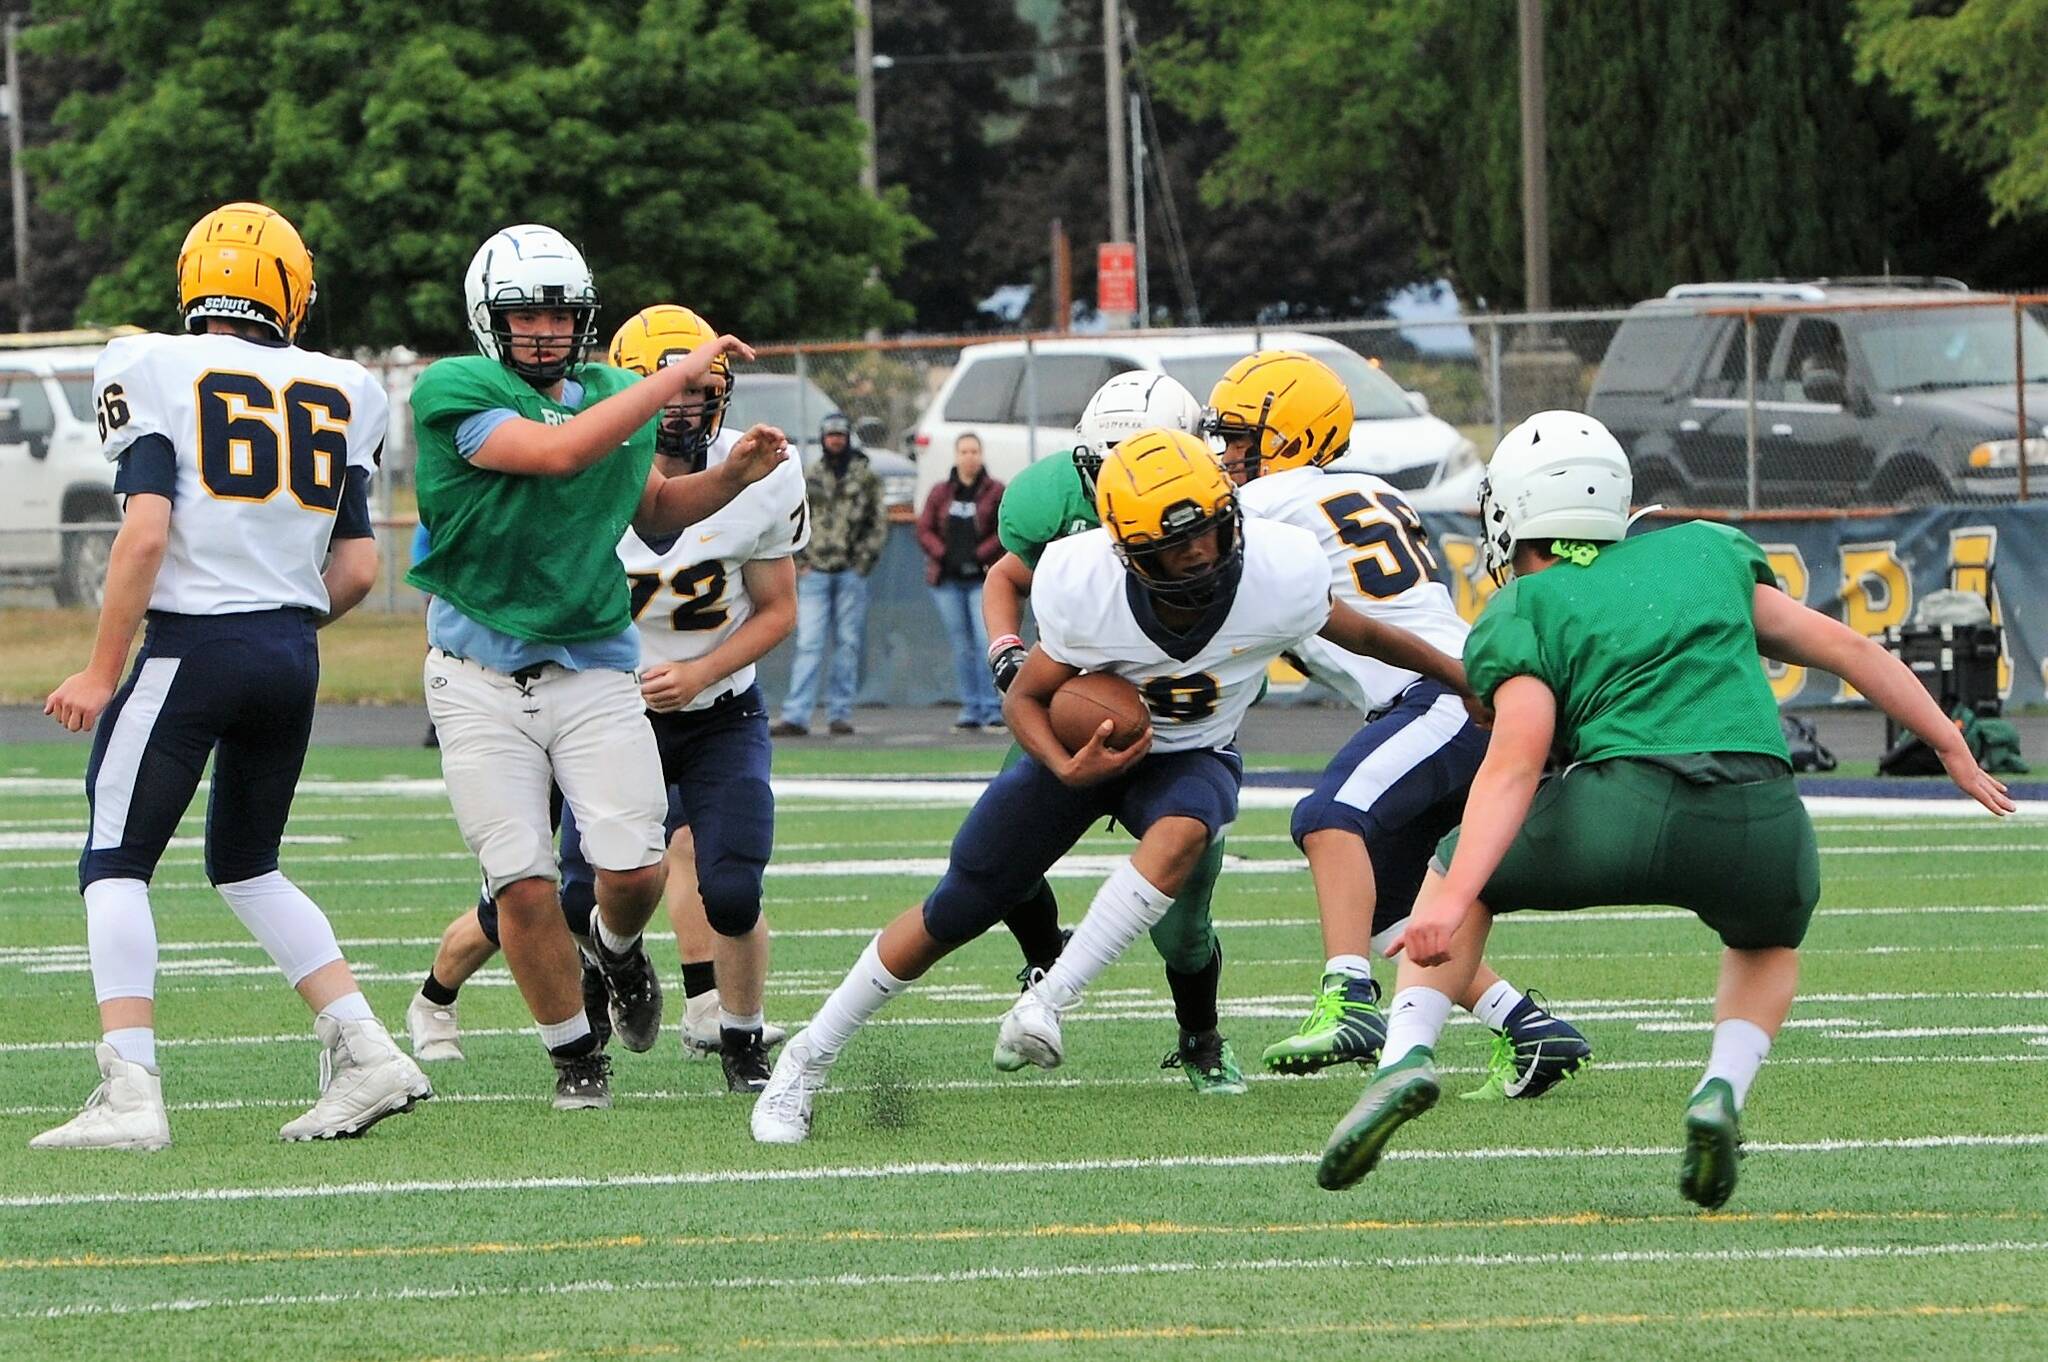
x=1108, y=1230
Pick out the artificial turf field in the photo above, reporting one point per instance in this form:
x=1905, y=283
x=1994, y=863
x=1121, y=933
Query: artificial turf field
x=1894, y=1201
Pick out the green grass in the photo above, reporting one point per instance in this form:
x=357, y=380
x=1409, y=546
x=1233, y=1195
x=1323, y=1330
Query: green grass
x=942, y=1210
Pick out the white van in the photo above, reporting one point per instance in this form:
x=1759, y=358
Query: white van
x=51, y=466
x=1025, y=413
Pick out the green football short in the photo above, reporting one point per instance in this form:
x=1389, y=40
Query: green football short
x=1632, y=830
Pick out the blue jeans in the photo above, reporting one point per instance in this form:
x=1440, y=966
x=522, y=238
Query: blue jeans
x=835, y=604
x=960, y=607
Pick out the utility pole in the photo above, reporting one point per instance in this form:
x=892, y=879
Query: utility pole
x=1535, y=177
x=1113, y=99
x=864, y=89
x=1138, y=207
x=24, y=310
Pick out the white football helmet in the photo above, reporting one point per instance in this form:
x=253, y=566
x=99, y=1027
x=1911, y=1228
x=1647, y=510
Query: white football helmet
x=1130, y=402
x=529, y=266
x=1558, y=475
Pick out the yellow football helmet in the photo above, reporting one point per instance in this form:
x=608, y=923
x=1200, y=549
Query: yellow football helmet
x=663, y=334
x=245, y=262
x=1293, y=406
x=1162, y=489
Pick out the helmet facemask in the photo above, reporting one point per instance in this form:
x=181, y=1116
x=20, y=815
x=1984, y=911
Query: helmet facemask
x=1221, y=431
x=1185, y=522
x=1496, y=540
x=690, y=424
x=1088, y=463
x=577, y=342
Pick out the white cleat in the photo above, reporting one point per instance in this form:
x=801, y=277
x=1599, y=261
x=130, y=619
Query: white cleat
x=782, y=1113
x=1030, y=1032
x=700, y=1028
x=126, y=1111
x=364, y=1077
x=433, y=1030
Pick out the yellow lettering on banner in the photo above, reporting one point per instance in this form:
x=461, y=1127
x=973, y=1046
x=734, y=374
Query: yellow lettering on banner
x=1789, y=563
x=1471, y=587
x=1877, y=592
x=1972, y=554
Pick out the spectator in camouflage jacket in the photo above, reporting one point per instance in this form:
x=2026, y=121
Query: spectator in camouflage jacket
x=849, y=525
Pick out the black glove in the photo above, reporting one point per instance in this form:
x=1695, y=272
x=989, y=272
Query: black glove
x=1004, y=662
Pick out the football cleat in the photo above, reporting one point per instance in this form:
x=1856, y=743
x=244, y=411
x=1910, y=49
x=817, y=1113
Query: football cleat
x=126, y=1111
x=782, y=1114
x=1713, y=1146
x=1039, y=967
x=701, y=1028
x=1210, y=1065
x=364, y=1077
x=597, y=1002
x=583, y=1082
x=1030, y=1033
x=432, y=1029
x=1344, y=1025
x=744, y=1057
x=634, y=988
x=1531, y=1055
x=1397, y=1094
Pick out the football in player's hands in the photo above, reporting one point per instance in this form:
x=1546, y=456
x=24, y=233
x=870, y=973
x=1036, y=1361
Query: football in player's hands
x=1079, y=707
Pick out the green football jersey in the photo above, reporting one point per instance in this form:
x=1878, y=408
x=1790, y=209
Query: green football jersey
x=1044, y=503
x=533, y=557
x=1650, y=648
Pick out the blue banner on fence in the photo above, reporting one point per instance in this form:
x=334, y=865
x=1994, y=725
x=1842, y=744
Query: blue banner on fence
x=1870, y=572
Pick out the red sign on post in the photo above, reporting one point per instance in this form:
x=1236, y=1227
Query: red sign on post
x=1116, y=277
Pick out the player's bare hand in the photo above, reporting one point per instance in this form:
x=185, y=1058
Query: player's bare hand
x=79, y=700
x=1974, y=781
x=757, y=454
x=1098, y=761
x=1428, y=938
x=668, y=686
x=700, y=360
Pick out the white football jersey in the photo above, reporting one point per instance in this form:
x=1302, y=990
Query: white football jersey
x=262, y=434
x=1086, y=620
x=1379, y=565
x=689, y=597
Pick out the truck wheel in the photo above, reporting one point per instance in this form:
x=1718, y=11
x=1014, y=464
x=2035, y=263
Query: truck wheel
x=82, y=573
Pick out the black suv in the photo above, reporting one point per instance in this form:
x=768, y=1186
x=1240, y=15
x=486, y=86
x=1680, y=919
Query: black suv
x=1894, y=400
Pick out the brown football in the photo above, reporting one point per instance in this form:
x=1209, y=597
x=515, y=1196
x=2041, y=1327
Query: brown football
x=1080, y=706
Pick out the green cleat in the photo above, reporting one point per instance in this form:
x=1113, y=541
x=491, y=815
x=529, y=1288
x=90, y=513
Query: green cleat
x=1500, y=1071
x=1713, y=1146
x=1345, y=1024
x=1396, y=1095
x=1209, y=1064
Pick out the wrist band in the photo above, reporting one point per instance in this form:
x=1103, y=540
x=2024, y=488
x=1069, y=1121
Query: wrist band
x=998, y=646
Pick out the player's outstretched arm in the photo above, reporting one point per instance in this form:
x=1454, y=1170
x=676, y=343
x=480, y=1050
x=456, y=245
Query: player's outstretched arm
x=1787, y=631
x=1525, y=722
x=771, y=586
x=536, y=449
x=671, y=505
x=1393, y=645
x=1002, y=612
x=131, y=577
x=1027, y=710
x=350, y=573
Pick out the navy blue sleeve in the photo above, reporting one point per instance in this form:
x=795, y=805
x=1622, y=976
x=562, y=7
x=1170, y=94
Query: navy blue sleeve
x=352, y=516
x=149, y=464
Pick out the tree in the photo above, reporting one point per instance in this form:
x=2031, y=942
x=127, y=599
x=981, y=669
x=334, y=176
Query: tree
x=61, y=263
x=697, y=150
x=1975, y=70
x=1688, y=139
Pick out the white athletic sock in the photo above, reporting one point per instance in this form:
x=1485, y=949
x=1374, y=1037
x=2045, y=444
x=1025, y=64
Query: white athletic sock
x=350, y=1007
x=1496, y=1003
x=1415, y=1020
x=288, y=924
x=1125, y=908
x=1357, y=966
x=1739, y=1050
x=859, y=996
x=613, y=942
x=554, y=1035
x=136, y=1044
x=734, y=1021
x=120, y=939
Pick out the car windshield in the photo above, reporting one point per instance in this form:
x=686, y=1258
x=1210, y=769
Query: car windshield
x=791, y=405
x=1374, y=396
x=77, y=394
x=1934, y=348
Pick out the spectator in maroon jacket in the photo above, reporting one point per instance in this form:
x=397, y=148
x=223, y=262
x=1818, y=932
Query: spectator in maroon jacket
x=957, y=530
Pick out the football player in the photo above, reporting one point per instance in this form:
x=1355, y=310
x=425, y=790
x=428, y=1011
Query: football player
x=1187, y=600
x=245, y=462
x=1640, y=657
x=1048, y=501
x=532, y=464
x=1369, y=826
x=709, y=603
